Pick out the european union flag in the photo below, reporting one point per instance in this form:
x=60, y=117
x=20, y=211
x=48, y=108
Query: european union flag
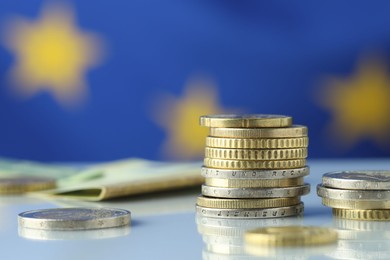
x=91, y=81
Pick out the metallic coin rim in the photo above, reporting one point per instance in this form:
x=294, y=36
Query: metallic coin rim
x=331, y=179
x=288, y=211
x=257, y=143
x=23, y=184
x=82, y=224
x=250, y=120
x=287, y=132
x=250, y=183
x=356, y=214
x=255, y=174
x=303, y=235
x=249, y=165
x=356, y=204
x=255, y=154
x=224, y=203
x=255, y=193
x=331, y=193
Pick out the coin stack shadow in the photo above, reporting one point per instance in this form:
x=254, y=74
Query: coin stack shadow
x=357, y=195
x=254, y=172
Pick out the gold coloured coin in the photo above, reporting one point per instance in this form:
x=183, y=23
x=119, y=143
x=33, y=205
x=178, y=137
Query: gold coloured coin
x=291, y=236
x=252, y=154
x=254, y=183
x=247, y=143
x=255, y=120
x=246, y=203
x=356, y=204
x=287, y=132
x=17, y=185
x=246, y=164
x=356, y=214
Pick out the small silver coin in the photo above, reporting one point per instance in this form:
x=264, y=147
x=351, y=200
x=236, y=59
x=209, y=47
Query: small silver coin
x=295, y=210
x=74, y=218
x=254, y=174
x=249, y=193
x=358, y=180
x=338, y=194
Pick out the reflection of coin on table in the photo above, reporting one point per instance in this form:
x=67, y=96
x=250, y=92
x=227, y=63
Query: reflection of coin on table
x=19, y=184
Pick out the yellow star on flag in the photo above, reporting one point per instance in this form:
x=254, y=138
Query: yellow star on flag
x=51, y=54
x=360, y=104
x=180, y=118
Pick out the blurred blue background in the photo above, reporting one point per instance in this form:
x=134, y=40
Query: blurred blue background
x=103, y=80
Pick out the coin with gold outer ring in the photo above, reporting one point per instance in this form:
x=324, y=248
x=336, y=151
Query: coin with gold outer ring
x=358, y=214
x=255, y=154
x=356, y=204
x=287, y=132
x=18, y=184
x=291, y=236
x=254, y=183
x=254, y=120
x=257, y=143
x=247, y=164
x=246, y=203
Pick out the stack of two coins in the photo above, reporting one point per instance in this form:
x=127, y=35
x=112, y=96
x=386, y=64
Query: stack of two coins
x=254, y=167
x=359, y=195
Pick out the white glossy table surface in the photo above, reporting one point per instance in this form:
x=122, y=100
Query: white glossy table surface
x=164, y=227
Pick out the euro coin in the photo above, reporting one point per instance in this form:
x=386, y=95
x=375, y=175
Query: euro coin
x=254, y=183
x=330, y=193
x=356, y=204
x=255, y=193
x=254, y=120
x=257, y=143
x=246, y=203
x=74, y=218
x=254, y=154
x=358, y=180
x=15, y=185
x=254, y=174
x=291, y=236
x=356, y=214
x=246, y=164
x=254, y=213
x=289, y=132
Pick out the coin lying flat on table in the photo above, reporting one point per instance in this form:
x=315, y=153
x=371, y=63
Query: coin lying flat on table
x=290, y=132
x=256, y=143
x=255, y=154
x=330, y=193
x=246, y=203
x=356, y=204
x=255, y=174
x=248, y=213
x=253, y=120
x=291, y=236
x=74, y=218
x=254, y=183
x=358, y=180
x=17, y=185
x=254, y=193
x=245, y=164
x=356, y=214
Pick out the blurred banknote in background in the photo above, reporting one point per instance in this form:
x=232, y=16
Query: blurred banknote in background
x=83, y=81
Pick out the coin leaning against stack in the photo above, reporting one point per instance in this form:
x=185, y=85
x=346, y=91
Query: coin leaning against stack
x=253, y=167
x=358, y=195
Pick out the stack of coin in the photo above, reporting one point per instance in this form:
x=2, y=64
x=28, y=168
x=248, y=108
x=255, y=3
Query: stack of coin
x=359, y=195
x=254, y=167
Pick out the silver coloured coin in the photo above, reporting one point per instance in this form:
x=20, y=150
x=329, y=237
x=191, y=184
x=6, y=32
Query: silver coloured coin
x=254, y=174
x=358, y=180
x=250, y=193
x=251, y=213
x=74, y=218
x=338, y=194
